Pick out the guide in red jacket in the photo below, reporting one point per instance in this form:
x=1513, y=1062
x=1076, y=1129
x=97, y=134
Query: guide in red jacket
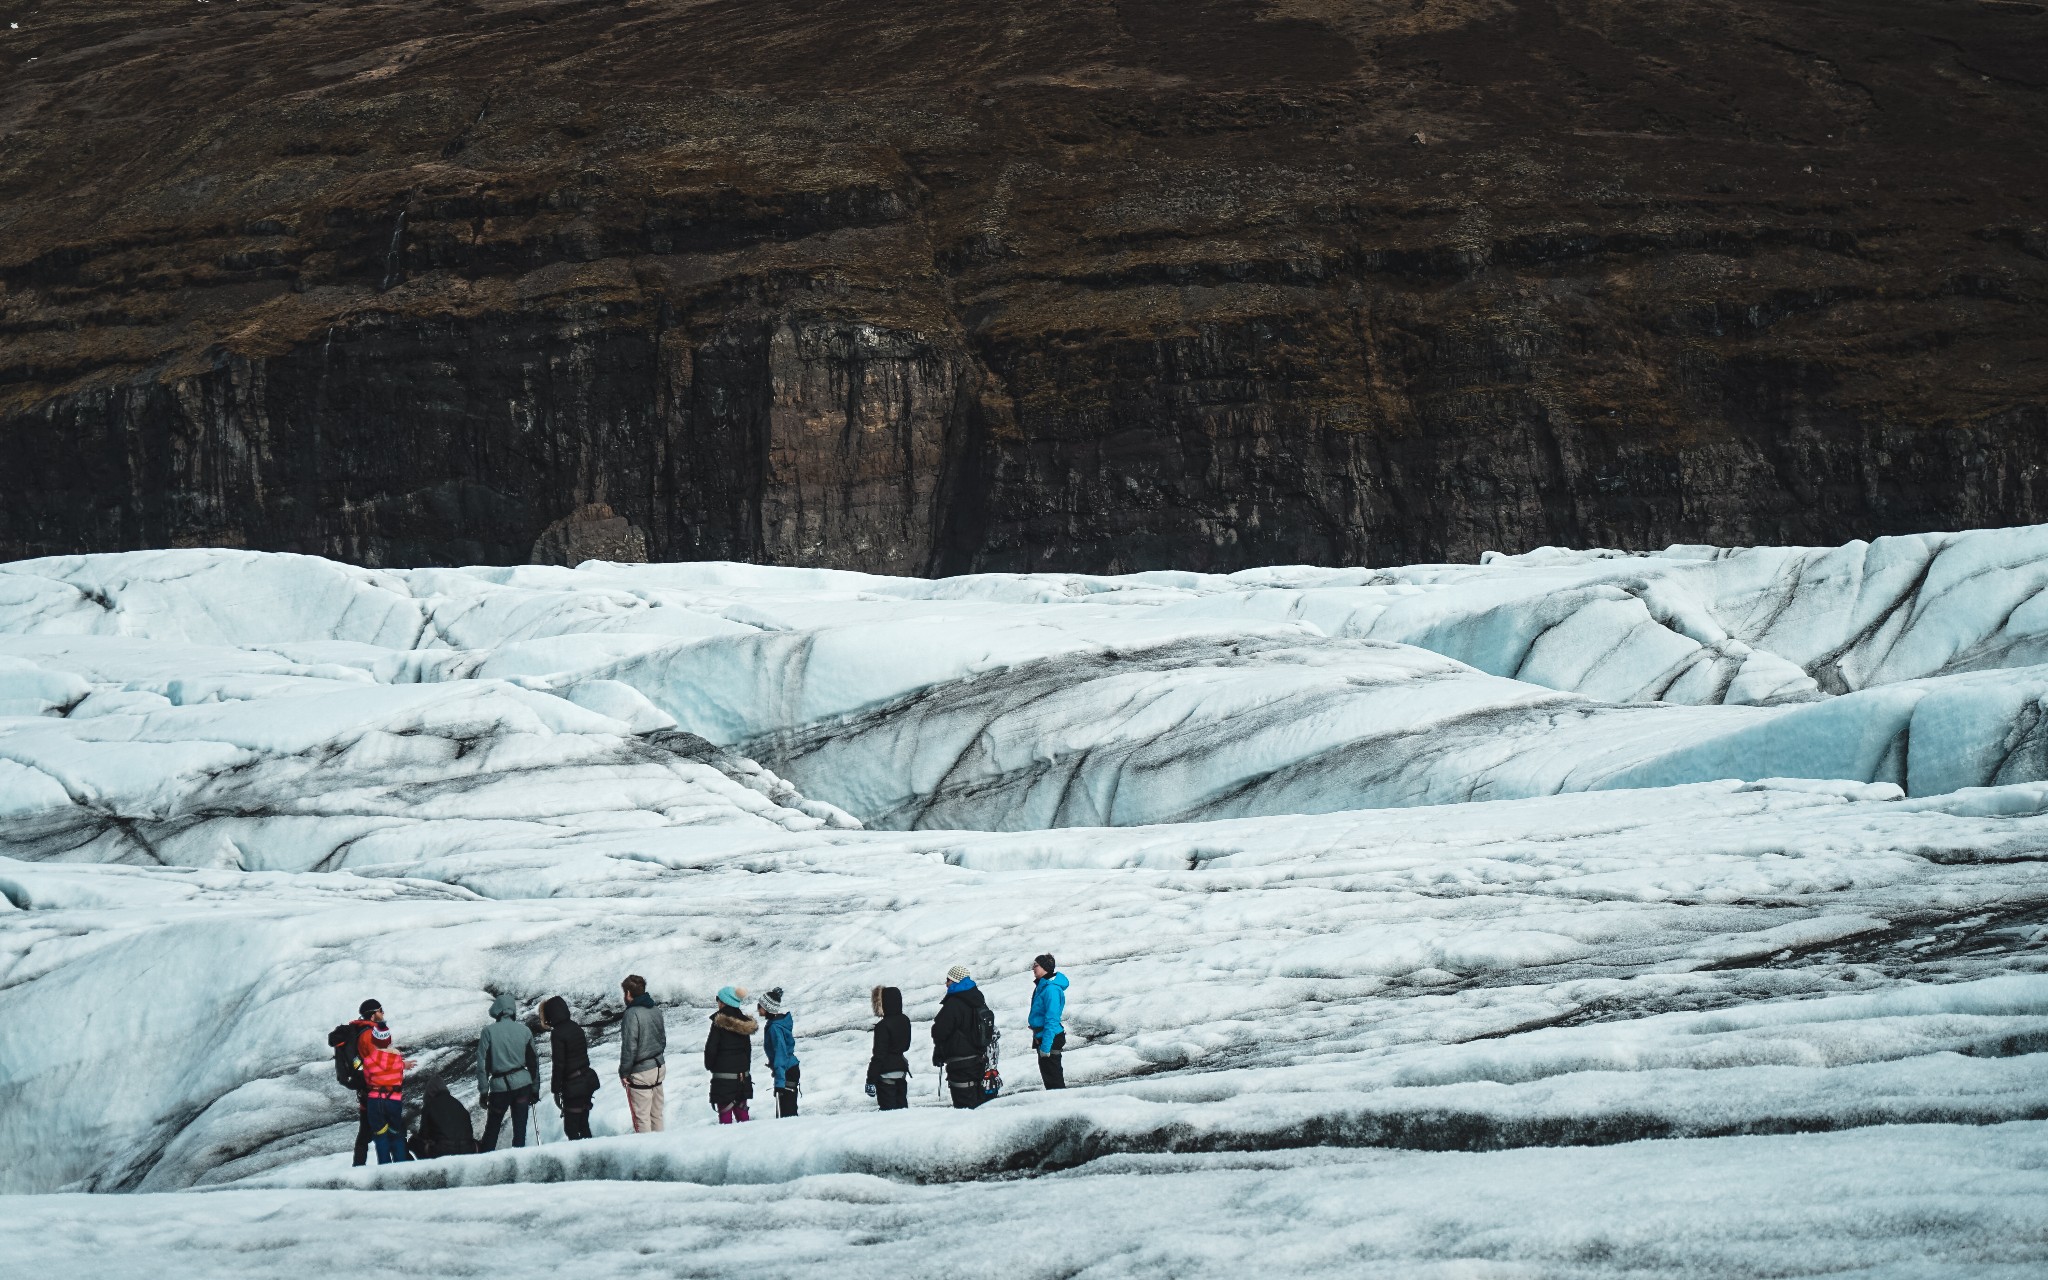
x=347, y=1043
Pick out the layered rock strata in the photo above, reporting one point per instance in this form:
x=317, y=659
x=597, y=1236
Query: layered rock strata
x=918, y=286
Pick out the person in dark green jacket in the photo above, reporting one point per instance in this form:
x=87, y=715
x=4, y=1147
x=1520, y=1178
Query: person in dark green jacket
x=507, y=1072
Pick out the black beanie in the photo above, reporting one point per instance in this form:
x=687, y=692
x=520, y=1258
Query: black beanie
x=367, y=1008
x=1045, y=962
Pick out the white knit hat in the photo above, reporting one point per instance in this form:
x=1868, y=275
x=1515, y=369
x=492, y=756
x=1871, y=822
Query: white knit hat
x=955, y=973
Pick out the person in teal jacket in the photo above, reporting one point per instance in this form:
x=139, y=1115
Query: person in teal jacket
x=778, y=1036
x=1048, y=1008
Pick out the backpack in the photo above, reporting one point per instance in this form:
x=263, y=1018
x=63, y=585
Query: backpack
x=984, y=1029
x=991, y=1054
x=348, y=1068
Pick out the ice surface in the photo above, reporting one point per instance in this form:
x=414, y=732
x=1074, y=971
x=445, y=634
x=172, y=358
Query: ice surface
x=1570, y=868
x=1928, y=1200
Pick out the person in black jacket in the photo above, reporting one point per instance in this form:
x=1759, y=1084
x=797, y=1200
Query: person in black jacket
x=571, y=1078
x=957, y=1041
x=729, y=1055
x=888, y=1064
x=446, y=1127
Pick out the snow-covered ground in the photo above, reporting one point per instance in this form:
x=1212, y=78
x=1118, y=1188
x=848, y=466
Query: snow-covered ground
x=1569, y=913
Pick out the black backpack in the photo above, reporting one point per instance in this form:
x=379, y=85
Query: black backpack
x=348, y=1068
x=985, y=1033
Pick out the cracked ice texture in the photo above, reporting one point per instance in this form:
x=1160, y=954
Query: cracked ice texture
x=1005, y=701
x=238, y=792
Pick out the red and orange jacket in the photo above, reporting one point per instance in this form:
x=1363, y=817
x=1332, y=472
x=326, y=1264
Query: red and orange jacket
x=383, y=1068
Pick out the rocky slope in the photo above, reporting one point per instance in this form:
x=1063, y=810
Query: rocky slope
x=918, y=285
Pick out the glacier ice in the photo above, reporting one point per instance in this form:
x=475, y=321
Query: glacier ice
x=1571, y=863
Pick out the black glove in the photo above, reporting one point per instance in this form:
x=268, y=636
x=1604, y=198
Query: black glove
x=871, y=1088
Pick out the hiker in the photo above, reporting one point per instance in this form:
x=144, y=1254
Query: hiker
x=507, y=1072
x=961, y=1037
x=445, y=1126
x=778, y=1041
x=571, y=1078
x=888, y=1063
x=728, y=1055
x=1048, y=1007
x=643, y=1044
x=349, y=1042
x=384, y=1078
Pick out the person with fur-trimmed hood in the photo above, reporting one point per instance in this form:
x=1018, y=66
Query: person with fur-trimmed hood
x=778, y=1041
x=729, y=1055
x=889, y=1060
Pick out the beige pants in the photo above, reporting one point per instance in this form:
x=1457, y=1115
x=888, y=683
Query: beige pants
x=644, y=1096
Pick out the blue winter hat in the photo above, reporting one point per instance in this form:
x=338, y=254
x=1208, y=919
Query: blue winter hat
x=733, y=997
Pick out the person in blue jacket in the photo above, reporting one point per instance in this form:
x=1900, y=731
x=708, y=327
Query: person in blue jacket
x=779, y=1036
x=1048, y=1007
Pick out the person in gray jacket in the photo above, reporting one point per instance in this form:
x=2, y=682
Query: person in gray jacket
x=507, y=1072
x=643, y=1040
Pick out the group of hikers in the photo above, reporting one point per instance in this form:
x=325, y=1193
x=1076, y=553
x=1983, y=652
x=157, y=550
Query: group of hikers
x=508, y=1073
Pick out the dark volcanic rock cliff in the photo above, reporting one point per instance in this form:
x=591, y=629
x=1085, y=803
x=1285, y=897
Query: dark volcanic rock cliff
x=940, y=285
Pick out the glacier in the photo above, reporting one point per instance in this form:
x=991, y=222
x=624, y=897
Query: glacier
x=1575, y=912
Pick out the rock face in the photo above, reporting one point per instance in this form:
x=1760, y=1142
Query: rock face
x=915, y=285
x=591, y=532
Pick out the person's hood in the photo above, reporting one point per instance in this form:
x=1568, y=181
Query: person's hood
x=641, y=1001
x=892, y=1002
x=955, y=988
x=1057, y=980
x=734, y=1021
x=504, y=1007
